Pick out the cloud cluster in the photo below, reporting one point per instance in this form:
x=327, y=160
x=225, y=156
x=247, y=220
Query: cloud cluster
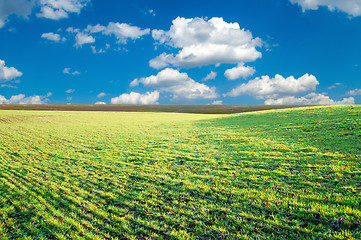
x=121, y=31
x=137, y=98
x=354, y=92
x=351, y=7
x=8, y=73
x=22, y=99
x=266, y=87
x=203, y=42
x=58, y=9
x=51, y=9
x=309, y=99
x=179, y=84
x=284, y=91
x=239, y=72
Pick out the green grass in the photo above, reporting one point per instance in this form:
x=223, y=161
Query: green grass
x=282, y=174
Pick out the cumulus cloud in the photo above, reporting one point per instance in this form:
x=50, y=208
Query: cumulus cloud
x=22, y=99
x=100, y=103
x=309, y=99
x=20, y=8
x=137, y=98
x=179, y=84
x=53, y=37
x=58, y=9
x=266, y=87
x=82, y=38
x=8, y=73
x=354, y=92
x=203, y=42
x=351, y=7
x=239, y=72
x=210, y=76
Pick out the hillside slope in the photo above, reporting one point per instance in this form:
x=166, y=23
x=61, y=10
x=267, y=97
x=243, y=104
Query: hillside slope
x=280, y=174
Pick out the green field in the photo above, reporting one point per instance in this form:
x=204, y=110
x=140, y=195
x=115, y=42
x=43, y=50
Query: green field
x=280, y=174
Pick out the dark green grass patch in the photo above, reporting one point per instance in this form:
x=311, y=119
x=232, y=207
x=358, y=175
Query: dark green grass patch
x=284, y=174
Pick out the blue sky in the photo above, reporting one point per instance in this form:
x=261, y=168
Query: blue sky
x=180, y=52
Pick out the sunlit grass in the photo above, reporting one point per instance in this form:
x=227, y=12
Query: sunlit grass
x=283, y=174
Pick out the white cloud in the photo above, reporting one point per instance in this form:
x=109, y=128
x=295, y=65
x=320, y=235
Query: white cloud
x=53, y=37
x=354, y=92
x=83, y=38
x=266, y=87
x=218, y=102
x=8, y=73
x=21, y=99
x=351, y=7
x=70, y=91
x=239, y=72
x=179, y=84
x=67, y=71
x=51, y=13
x=137, y=98
x=210, y=76
x=51, y=9
x=205, y=42
x=334, y=86
x=100, y=103
x=309, y=99
x=8, y=86
x=72, y=30
x=123, y=31
x=149, y=12
x=95, y=51
x=102, y=94
x=152, y=12
x=58, y=9
x=92, y=29
x=20, y=8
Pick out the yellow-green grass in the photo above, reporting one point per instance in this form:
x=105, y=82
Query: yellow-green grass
x=281, y=174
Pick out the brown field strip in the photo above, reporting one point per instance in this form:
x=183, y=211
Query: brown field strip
x=202, y=109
